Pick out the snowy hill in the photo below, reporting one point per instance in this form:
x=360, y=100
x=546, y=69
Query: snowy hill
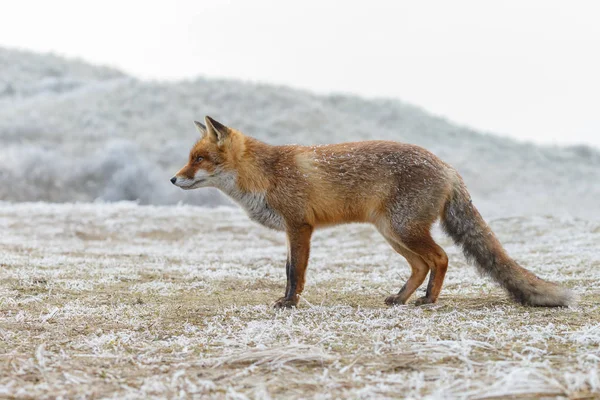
x=70, y=131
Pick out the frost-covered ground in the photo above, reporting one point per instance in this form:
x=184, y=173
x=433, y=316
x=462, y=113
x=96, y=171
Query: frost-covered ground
x=128, y=301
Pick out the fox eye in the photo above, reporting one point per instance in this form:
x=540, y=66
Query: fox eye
x=198, y=159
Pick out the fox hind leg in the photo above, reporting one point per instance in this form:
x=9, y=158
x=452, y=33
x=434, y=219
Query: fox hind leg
x=419, y=273
x=412, y=239
x=436, y=259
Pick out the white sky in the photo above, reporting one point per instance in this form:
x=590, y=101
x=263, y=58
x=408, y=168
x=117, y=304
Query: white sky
x=528, y=69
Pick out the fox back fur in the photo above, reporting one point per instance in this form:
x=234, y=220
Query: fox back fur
x=401, y=189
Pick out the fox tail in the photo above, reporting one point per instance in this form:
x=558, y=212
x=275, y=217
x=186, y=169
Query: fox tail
x=462, y=222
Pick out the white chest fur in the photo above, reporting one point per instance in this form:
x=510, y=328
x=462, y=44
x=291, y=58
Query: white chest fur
x=254, y=203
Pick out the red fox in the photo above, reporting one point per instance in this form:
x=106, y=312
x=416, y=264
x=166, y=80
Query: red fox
x=400, y=188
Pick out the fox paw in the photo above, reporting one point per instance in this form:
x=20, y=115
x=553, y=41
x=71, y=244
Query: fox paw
x=284, y=302
x=424, y=300
x=395, y=299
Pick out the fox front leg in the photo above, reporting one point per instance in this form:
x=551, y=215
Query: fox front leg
x=298, y=239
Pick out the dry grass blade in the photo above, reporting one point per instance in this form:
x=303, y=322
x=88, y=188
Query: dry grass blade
x=278, y=357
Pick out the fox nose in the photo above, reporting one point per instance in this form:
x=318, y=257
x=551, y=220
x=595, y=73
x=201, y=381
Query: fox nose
x=173, y=180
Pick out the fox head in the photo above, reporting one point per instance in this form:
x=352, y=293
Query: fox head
x=210, y=160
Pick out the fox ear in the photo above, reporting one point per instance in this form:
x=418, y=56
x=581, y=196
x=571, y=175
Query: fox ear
x=217, y=130
x=201, y=128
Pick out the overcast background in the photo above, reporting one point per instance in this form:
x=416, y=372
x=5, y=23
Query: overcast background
x=526, y=69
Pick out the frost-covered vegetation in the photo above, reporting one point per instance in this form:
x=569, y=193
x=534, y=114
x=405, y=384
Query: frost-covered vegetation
x=74, y=132
x=126, y=301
